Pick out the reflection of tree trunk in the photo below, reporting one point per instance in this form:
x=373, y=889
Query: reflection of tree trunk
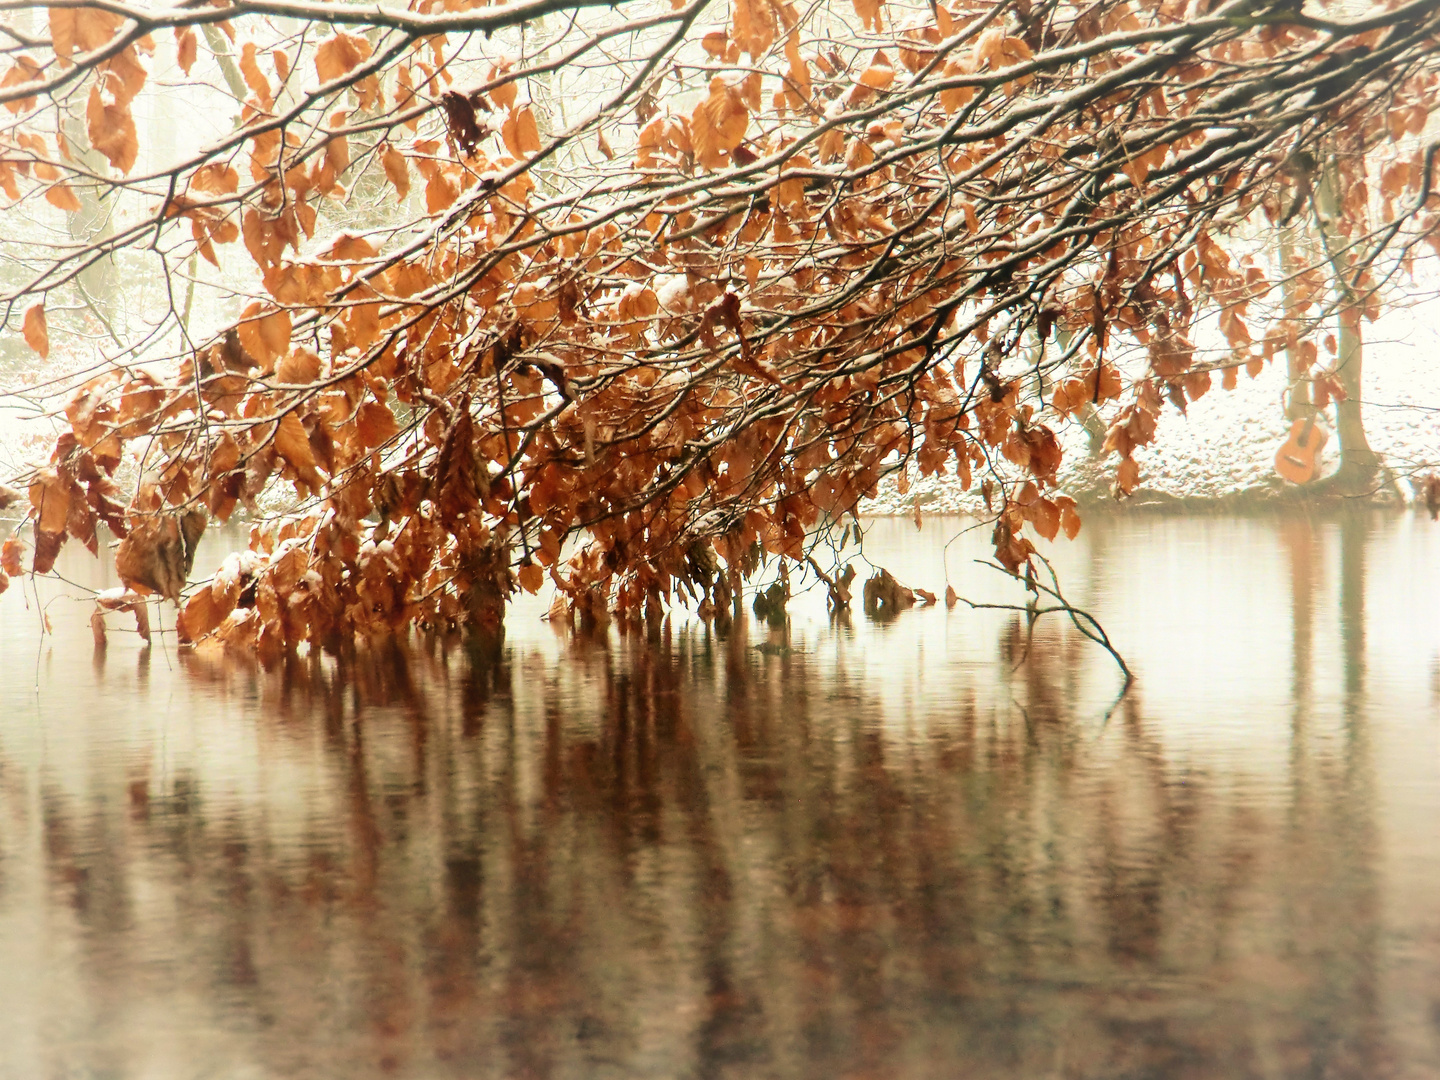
x=1357, y=830
x=1299, y=538
x=1352, y=602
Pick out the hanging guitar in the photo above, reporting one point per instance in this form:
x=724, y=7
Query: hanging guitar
x=1297, y=459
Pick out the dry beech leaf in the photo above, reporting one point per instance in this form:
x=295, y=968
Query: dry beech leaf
x=527, y=135
x=47, y=549
x=375, y=424
x=293, y=444
x=338, y=55
x=1128, y=476
x=215, y=179
x=396, y=170
x=11, y=552
x=61, y=197
x=81, y=29
x=1070, y=522
x=204, y=611
x=50, y=497
x=25, y=71
x=159, y=552
x=261, y=338
x=440, y=193
x=879, y=75
x=531, y=577
x=869, y=12
x=255, y=78
x=37, y=334
x=350, y=248
x=111, y=128
x=300, y=368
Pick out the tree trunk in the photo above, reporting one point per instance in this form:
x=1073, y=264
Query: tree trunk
x=1359, y=464
x=1299, y=405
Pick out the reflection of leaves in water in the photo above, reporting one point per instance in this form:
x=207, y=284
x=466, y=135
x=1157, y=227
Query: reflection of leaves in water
x=690, y=858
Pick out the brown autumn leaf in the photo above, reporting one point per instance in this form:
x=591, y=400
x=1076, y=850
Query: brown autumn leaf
x=338, y=55
x=337, y=148
x=301, y=367
x=440, y=193
x=255, y=78
x=215, y=178
x=396, y=170
x=1127, y=477
x=375, y=424
x=1069, y=519
x=718, y=123
x=293, y=444
x=350, y=248
x=50, y=498
x=159, y=552
x=61, y=197
x=753, y=25
x=265, y=337
x=531, y=577
x=186, y=47
x=204, y=611
x=869, y=12
x=460, y=121
x=47, y=550
x=24, y=71
x=503, y=95
x=1044, y=515
x=111, y=128
x=37, y=335
x=81, y=29
x=527, y=135
x=11, y=552
x=879, y=75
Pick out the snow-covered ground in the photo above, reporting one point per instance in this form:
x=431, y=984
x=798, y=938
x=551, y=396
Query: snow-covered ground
x=1225, y=445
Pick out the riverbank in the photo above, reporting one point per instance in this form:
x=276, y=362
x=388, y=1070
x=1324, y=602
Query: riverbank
x=1219, y=455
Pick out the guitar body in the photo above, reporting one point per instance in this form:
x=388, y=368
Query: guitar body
x=1296, y=460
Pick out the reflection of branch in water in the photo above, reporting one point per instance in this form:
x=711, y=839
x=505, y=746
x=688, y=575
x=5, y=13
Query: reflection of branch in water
x=1084, y=622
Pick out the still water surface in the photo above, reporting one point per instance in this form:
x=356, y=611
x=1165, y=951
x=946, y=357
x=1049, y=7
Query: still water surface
x=844, y=850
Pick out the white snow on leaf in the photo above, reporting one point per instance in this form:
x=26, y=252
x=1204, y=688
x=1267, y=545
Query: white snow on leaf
x=673, y=292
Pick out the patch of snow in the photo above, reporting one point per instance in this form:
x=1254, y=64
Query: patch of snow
x=673, y=292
